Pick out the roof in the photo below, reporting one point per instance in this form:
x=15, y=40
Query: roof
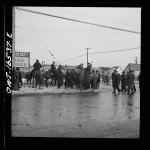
x=132, y=66
x=105, y=68
x=115, y=67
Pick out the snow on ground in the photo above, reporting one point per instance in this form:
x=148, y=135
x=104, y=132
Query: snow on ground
x=27, y=90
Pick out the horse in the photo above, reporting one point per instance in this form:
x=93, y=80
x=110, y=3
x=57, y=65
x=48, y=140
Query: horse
x=28, y=78
x=37, y=78
x=46, y=75
x=50, y=75
x=53, y=76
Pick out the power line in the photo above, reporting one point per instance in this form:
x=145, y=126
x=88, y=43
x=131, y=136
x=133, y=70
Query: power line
x=100, y=52
x=39, y=38
x=72, y=58
x=46, y=14
x=116, y=50
x=94, y=17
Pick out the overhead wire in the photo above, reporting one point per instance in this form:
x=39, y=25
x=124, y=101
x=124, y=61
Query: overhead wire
x=99, y=53
x=72, y=58
x=37, y=36
x=110, y=27
x=95, y=17
x=116, y=50
x=81, y=22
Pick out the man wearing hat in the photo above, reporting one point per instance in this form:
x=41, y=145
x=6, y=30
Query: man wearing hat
x=130, y=82
x=53, y=67
x=37, y=65
x=115, y=82
x=81, y=76
x=123, y=82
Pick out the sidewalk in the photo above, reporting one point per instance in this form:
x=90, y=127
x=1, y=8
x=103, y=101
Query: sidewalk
x=25, y=90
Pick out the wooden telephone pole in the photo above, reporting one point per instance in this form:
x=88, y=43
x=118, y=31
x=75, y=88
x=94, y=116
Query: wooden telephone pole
x=87, y=55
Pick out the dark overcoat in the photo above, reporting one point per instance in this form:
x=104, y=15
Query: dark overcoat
x=130, y=80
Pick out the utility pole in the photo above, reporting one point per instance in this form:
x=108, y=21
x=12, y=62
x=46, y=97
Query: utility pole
x=136, y=60
x=87, y=55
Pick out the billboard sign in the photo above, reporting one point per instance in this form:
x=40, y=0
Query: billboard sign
x=22, y=59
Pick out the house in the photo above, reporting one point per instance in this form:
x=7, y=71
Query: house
x=135, y=67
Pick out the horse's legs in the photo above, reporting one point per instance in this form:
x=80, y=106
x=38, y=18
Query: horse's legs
x=51, y=81
x=46, y=84
x=55, y=81
x=33, y=83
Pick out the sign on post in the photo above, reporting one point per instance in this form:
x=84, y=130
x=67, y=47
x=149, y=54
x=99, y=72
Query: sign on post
x=22, y=60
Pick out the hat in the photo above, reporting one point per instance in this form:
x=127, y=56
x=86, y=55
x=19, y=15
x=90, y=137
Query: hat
x=81, y=64
x=53, y=61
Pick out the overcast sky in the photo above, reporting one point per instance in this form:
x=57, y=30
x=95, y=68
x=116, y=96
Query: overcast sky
x=66, y=39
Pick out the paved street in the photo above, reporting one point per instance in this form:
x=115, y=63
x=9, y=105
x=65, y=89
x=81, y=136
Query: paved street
x=99, y=114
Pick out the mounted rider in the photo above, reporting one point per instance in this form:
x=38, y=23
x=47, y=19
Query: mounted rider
x=37, y=65
x=53, y=67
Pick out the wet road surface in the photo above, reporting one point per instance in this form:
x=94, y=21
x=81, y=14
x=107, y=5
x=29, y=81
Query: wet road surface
x=77, y=115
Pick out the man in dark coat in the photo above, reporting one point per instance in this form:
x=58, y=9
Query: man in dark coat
x=37, y=65
x=115, y=82
x=16, y=77
x=130, y=82
x=123, y=82
x=67, y=78
x=20, y=79
x=60, y=76
x=81, y=76
x=53, y=67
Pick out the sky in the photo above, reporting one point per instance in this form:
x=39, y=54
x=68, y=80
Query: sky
x=39, y=34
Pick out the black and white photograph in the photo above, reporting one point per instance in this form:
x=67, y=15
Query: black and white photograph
x=75, y=72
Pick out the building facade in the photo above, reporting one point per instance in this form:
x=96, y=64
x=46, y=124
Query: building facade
x=135, y=67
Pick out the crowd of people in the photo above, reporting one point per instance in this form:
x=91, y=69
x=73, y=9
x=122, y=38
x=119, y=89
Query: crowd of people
x=81, y=78
x=127, y=82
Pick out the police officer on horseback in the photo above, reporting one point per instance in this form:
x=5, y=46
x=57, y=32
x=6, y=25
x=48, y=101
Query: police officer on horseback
x=53, y=67
x=37, y=65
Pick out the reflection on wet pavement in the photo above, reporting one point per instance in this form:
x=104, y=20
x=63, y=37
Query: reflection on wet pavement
x=64, y=109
